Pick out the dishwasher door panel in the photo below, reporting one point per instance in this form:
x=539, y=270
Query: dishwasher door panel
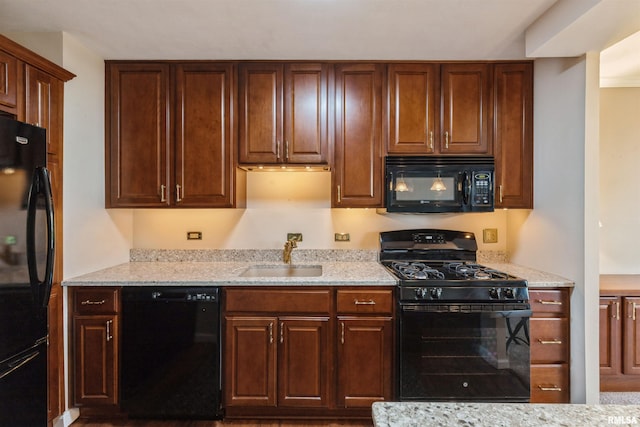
x=170, y=353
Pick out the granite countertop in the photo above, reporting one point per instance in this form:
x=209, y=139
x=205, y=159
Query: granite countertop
x=223, y=268
x=414, y=414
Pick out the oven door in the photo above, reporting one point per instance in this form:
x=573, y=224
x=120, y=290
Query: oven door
x=472, y=352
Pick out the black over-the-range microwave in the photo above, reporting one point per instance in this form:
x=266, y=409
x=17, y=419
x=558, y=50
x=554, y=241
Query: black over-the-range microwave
x=425, y=184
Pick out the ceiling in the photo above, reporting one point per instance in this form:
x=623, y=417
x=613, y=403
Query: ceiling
x=317, y=29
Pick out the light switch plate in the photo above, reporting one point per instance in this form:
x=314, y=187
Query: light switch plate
x=490, y=235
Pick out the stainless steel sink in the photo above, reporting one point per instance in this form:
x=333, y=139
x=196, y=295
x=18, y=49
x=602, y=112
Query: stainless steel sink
x=282, y=271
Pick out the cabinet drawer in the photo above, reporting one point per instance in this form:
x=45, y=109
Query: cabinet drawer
x=364, y=301
x=95, y=301
x=550, y=383
x=548, y=302
x=278, y=300
x=549, y=340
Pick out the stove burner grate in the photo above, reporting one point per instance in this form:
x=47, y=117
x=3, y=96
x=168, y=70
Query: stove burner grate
x=416, y=270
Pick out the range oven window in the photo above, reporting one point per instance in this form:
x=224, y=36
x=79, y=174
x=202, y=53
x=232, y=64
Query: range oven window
x=457, y=353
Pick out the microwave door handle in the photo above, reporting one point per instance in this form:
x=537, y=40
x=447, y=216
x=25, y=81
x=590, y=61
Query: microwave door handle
x=466, y=188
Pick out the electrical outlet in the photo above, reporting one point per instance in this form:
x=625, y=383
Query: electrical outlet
x=194, y=235
x=294, y=236
x=342, y=237
x=490, y=235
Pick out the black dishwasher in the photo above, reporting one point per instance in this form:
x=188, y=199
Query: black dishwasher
x=170, y=354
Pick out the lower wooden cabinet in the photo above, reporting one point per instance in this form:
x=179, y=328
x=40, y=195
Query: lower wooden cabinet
x=549, y=338
x=365, y=347
x=95, y=325
x=619, y=342
x=298, y=353
x=276, y=361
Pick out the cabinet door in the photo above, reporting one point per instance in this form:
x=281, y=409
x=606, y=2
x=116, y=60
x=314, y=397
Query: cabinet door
x=203, y=134
x=305, y=113
x=513, y=135
x=412, y=108
x=44, y=105
x=465, y=109
x=357, y=172
x=610, y=337
x=8, y=82
x=303, y=362
x=95, y=368
x=260, y=115
x=631, y=351
x=364, y=364
x=250, y=361
x=137, y=163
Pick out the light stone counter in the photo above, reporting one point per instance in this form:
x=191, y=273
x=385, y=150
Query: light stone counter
x=417, y=414
x=535, y=278
x=222, y=267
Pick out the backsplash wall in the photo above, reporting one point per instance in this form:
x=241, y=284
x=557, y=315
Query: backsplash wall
x=294, y=202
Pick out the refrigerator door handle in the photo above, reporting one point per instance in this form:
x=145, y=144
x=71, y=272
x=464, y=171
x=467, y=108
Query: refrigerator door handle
x=40, y=185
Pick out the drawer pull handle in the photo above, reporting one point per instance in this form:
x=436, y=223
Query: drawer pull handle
x=368, y=302
x=89, y=302
x=549, y=388
x=554, y=341
x=544, y=302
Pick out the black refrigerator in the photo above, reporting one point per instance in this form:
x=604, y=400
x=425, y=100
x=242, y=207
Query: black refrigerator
x=26, y=273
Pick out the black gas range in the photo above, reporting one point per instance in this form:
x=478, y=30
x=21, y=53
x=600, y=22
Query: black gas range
x=440, y=266
x=463, y=328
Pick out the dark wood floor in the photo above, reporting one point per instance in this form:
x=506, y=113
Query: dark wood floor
x=270, y=423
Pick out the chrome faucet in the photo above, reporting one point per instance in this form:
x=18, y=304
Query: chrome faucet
x=288, y=248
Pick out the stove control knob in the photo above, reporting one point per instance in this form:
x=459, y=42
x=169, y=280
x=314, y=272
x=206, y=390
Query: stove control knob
x=509, y=293
x=494, y=293
x=435, y=293
x=421, y=293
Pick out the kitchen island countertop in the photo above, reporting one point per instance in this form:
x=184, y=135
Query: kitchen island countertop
x=415, y=414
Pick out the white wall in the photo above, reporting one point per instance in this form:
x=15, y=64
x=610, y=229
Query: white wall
x=557, y=236
x=93, y=237
x=619, y=182
x=299, y=202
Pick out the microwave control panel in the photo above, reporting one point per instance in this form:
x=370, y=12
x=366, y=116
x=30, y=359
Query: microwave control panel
x=481, y=189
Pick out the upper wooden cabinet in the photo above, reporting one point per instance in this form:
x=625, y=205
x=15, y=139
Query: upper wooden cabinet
x=283, y=113
x=8, y=82
x=169, y=134
x=358, y=169
x=439, y=109
x=513, y=135
x=44, y=105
